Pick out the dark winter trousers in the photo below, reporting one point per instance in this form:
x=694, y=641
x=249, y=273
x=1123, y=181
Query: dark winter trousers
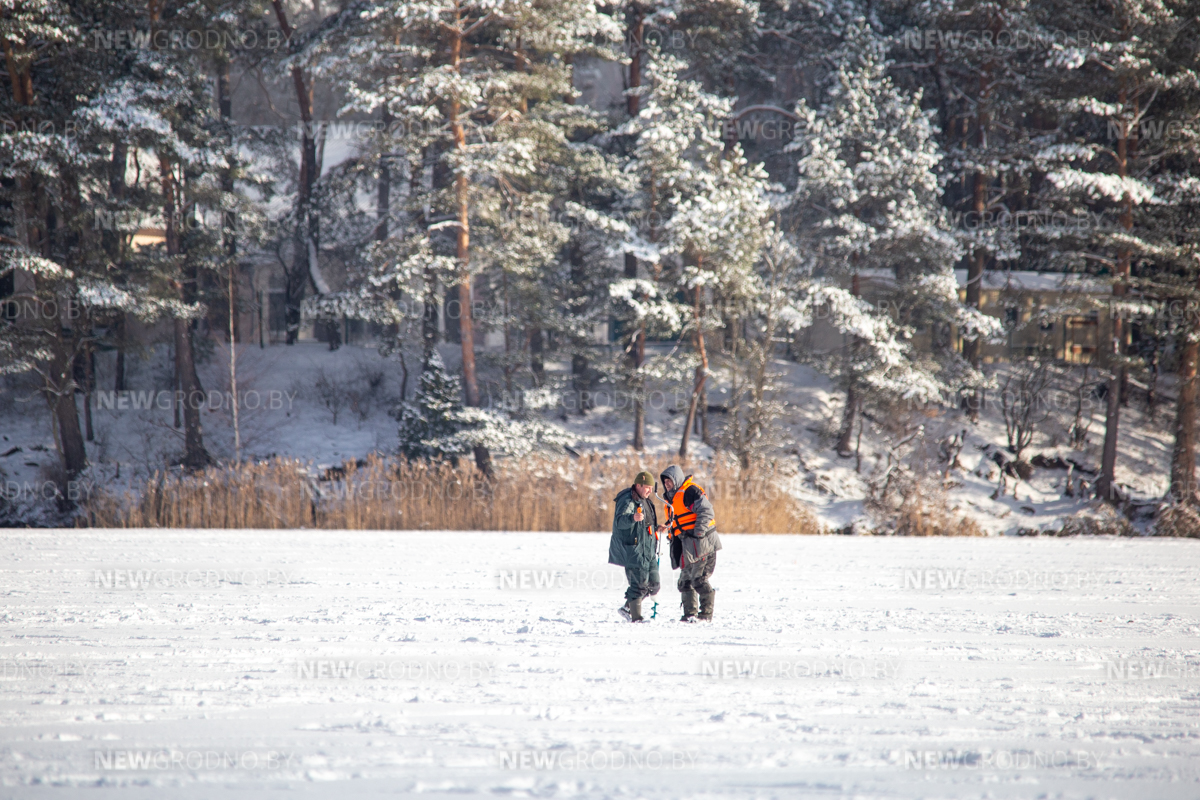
x=694, y=577
x=642, y=582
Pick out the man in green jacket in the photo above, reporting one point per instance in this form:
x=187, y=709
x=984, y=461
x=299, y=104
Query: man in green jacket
x=634, y=543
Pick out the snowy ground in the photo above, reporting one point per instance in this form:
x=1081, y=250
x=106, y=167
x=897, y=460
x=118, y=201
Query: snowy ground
x=332, y=664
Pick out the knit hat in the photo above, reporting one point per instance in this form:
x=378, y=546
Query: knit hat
x=643, y=479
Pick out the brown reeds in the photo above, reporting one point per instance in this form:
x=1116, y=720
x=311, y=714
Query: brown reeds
x=537, y=493
x=917, y=517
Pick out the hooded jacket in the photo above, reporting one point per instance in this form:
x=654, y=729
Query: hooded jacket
x=688, y=547
x=633, y=544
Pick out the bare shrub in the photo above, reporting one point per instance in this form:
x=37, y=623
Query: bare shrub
x=1024, y=403
x=1103, y=520
x=920, y=516
x=906, y=494
x=1178, y=519
x=1081, y=421
x=365, y=389
x=331, y=393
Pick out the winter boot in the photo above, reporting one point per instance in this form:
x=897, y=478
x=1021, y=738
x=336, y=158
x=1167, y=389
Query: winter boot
x=706, y=606
x=632, y=610
x=690, y=606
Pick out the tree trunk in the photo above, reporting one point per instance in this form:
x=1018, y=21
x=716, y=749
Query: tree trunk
x=429, y=318
x=852, y=399
x=116, y=185
x=580, y=382
x=637, y=354
x=61, y=393
x=483, y=459
x=305, y=241
x=452, y=315
x=383, y=196
x=175, y=384
x=89, y=385
x=403, y=377
x=701, y=377
x=20, y=77
x=1183, y=458
x=580, y=367
x=1106, y=485
x=849, y=415
x=429, y=299
x=195, y=456
x=229, y=232
x=537, y=364
x=66, y=415
x=233, y=385
x=637, y=357
x=634, y=31
x=119, y=379
x=972, y=348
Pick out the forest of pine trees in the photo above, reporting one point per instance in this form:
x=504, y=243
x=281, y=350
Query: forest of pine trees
x=734, y=171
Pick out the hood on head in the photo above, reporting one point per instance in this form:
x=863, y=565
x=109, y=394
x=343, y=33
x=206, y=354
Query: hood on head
x=675, y=474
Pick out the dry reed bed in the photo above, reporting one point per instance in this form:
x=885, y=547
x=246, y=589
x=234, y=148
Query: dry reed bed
x=532, y=494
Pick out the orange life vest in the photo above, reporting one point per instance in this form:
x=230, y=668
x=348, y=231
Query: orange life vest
x=681, y=519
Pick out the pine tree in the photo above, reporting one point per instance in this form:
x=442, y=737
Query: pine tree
x=480, y=91
x=718, y=227
x=980, y=84
x=866, y=204
x=432, y=418
x=80, y=109
x=1124, y=103
x=674, y=139
x=755, y=323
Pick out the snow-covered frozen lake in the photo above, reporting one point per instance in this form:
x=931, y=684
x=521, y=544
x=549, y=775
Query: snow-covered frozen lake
x=201, y=664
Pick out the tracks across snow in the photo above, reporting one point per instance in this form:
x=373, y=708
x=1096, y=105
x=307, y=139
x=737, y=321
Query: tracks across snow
x=337, y=664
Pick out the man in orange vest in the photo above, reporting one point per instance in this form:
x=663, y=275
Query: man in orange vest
x=692, y=525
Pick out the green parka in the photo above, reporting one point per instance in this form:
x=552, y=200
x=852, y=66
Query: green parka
x=633, y=543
